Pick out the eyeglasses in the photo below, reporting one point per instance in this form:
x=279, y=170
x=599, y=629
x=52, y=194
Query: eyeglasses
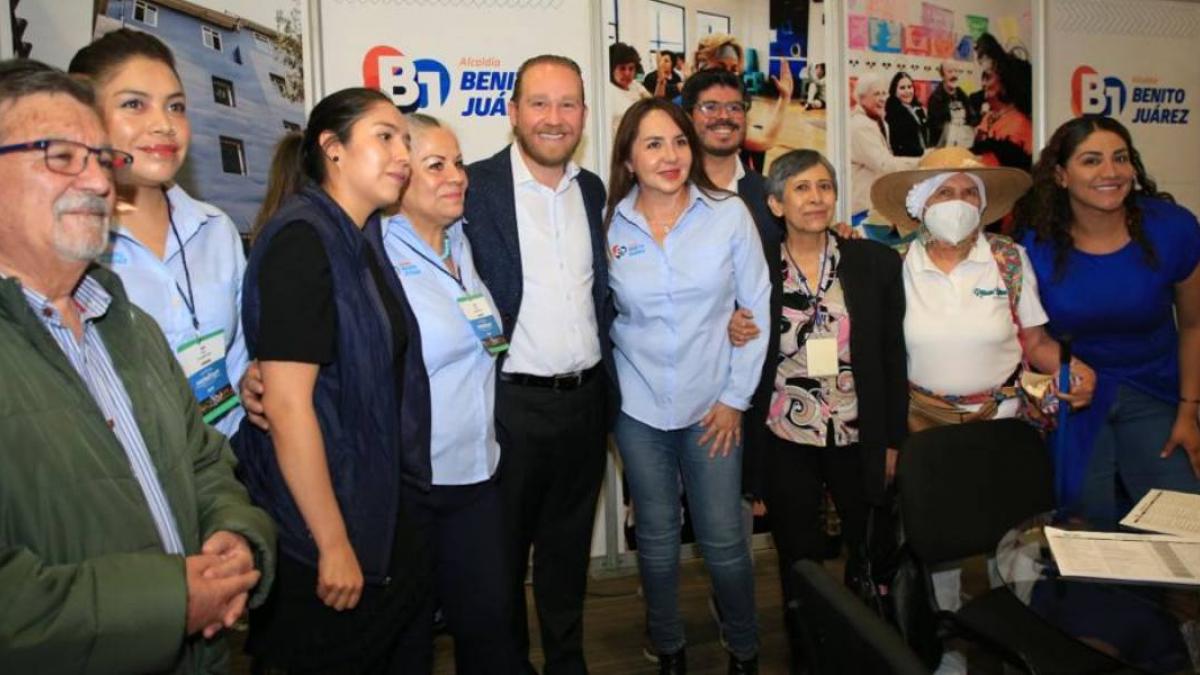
x=732, y=108
x=70, y=158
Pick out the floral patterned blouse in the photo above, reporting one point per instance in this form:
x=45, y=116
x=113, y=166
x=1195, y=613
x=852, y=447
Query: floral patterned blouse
x=803, y=409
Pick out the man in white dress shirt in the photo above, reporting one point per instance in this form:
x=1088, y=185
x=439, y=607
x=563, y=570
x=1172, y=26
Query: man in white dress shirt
x=534, y=221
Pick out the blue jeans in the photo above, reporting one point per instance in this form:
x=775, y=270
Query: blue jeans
x=1125, y=462
x=655, y=461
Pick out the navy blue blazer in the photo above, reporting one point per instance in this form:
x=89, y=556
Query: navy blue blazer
x=491, y=227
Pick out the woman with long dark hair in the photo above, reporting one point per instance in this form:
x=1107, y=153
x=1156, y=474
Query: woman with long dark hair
x=1118, y=267
x=1004, y=136
x=179, y=258
x=683, y=253
x=906, y=120
x=347, y=398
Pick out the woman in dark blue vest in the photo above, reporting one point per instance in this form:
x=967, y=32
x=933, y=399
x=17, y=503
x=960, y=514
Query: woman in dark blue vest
x=347, y=398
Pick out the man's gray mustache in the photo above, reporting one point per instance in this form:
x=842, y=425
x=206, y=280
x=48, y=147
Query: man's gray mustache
x=89, y=204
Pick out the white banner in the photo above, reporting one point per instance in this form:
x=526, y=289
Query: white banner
x=454, y=59
x=1135, y=62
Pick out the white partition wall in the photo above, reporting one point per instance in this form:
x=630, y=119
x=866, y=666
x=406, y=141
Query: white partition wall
x=454, y=59
x=1136, y=61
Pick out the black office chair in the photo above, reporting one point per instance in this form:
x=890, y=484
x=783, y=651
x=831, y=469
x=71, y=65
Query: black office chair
x=841, y=635
x=961, y=487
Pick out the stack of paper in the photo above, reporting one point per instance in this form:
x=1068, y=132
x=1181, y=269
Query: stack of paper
x=1169, y=558
x=1168, y=512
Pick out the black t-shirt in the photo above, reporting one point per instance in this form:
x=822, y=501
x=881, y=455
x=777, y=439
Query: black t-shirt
x=298, y=318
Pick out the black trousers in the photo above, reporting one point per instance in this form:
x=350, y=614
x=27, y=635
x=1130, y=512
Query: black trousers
x=553, y=445
x=295, y=633
x=462, y=527
x=797, y=476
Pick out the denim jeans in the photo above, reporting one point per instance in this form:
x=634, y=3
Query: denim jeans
x=655, y=462
x=1125, y=462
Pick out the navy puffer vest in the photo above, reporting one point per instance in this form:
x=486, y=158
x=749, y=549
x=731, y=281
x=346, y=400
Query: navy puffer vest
x=369, y=448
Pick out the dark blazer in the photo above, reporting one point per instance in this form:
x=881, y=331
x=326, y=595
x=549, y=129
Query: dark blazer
x=908, y=136
x=874, y=291
x=491, y=226
x=938, y=106
x=752, y=188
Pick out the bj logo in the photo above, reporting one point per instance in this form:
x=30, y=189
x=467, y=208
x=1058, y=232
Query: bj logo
x=1092, y=94
x=408, y=82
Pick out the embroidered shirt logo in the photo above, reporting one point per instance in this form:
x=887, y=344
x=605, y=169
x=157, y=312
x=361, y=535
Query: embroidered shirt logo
x=407, y=268
x=621, y=251
x=997, y=292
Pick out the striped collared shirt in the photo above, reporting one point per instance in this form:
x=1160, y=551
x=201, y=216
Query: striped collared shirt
x=91, y=360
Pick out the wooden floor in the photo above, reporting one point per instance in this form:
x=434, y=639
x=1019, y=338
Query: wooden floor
x=614, y=624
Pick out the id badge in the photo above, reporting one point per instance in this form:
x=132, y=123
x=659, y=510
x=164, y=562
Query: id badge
x=821, y=355
x=483, y=321
x=203, y=362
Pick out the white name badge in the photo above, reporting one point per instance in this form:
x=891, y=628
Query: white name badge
x=203, y=362
x=821, y=355
x=483, y=321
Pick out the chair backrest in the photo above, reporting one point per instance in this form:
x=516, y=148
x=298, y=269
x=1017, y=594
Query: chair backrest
x=962, y=486
x=842, y=635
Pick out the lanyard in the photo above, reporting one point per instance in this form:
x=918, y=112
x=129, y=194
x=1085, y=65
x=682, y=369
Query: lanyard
x=189, y=298
x=813, y=298
x=457, y=278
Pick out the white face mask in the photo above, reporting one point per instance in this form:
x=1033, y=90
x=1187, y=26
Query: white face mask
x=951, y=221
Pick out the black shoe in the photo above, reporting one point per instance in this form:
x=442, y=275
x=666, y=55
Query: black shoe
x=747, y=667
x=672, y=664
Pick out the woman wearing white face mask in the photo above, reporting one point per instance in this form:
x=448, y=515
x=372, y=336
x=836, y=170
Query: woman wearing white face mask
x=973, y=316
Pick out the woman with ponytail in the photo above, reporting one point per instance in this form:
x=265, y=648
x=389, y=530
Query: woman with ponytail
x=347, y=397
x=179, y=258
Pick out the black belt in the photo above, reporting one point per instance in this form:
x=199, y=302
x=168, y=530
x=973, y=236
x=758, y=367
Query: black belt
x=564, y=382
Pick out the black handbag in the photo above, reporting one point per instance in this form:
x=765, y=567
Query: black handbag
x=892, y=583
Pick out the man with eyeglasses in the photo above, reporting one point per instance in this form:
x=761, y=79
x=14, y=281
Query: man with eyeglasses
x=717, y=105
x=126, y=543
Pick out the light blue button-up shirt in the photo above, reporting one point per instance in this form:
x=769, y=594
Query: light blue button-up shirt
x=89, y=357
x=670, y=337
x=215, y=263
x=462, y=375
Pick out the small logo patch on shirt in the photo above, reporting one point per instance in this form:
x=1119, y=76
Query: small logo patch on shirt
x=997, y=292
x=407, y=268
x=622, y=251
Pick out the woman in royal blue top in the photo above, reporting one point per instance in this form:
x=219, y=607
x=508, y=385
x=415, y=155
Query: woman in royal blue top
x=1117, y=262
x=180, y=259
x=683, y=252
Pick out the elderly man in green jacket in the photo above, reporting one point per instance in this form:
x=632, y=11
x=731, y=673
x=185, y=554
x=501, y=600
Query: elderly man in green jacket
x=126, y=544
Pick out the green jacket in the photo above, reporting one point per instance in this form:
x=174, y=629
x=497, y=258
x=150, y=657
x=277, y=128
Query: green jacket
x=85, y=586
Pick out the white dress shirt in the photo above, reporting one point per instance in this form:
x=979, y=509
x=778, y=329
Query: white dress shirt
x=738, y=174
x=556, y=330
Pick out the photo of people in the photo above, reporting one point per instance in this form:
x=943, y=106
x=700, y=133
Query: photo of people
x=929, y=75
x=774, y=47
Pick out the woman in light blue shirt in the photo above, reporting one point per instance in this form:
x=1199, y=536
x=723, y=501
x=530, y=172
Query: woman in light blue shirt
x=683, y=252
x=459, y=518
x=181, y=260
